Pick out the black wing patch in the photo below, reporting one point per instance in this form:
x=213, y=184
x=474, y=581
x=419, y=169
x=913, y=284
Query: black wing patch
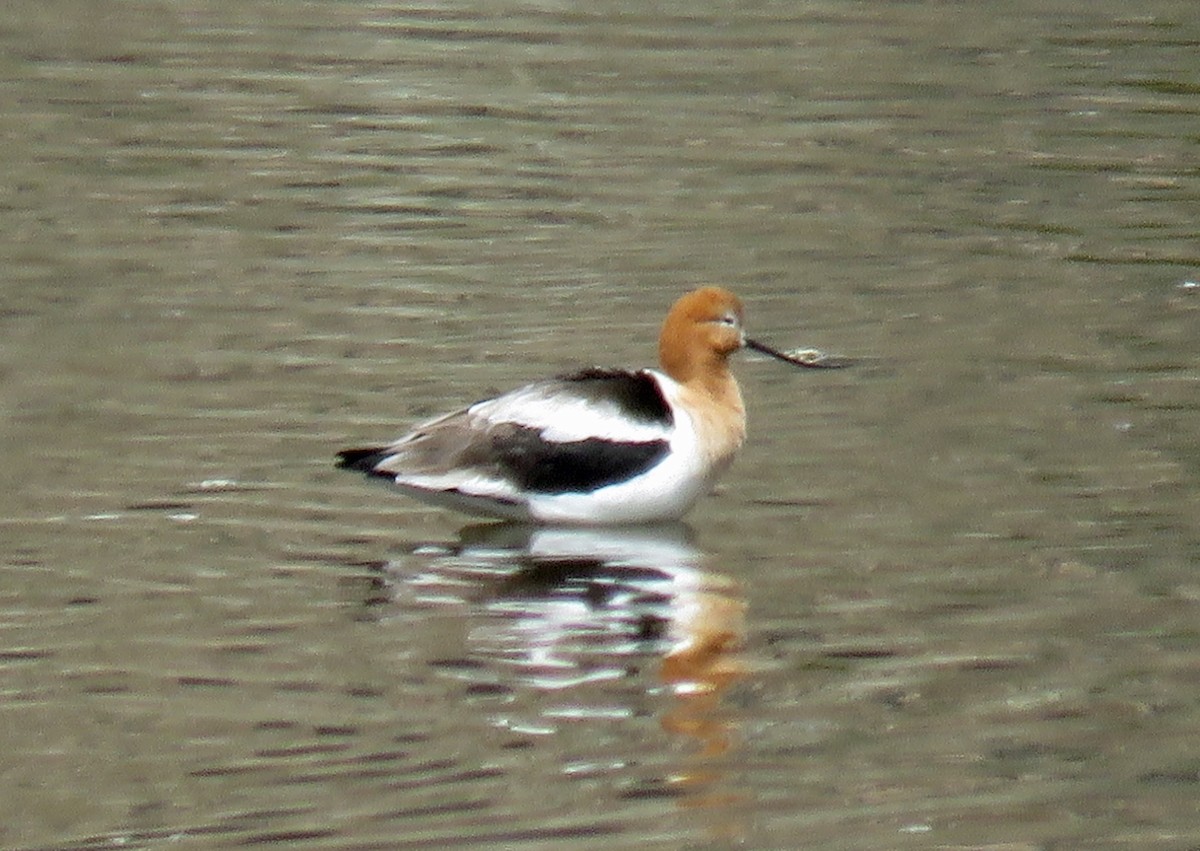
x=520, y=453
x=545, y=466
x=636, y=394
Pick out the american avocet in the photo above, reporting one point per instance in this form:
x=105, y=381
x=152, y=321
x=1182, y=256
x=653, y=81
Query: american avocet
x=599, y=446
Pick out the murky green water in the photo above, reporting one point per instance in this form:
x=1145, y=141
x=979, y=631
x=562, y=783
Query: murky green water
x=947, y=599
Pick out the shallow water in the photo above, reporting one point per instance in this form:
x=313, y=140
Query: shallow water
x=947, y=598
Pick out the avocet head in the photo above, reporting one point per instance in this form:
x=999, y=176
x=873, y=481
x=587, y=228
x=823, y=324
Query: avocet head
x=701, y=330
x=705, y=326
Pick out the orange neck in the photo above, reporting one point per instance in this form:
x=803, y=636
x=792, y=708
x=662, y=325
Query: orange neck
x=691, y=359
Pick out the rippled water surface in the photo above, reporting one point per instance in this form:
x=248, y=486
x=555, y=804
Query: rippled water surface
x=945, y=599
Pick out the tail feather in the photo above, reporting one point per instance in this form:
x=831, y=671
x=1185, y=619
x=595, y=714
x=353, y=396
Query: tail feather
x=364, y=460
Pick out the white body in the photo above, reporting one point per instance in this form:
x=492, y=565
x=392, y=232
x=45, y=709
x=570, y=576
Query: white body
x=701, y=443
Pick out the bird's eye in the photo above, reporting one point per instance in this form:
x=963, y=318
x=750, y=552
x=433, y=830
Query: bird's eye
x=728, y=319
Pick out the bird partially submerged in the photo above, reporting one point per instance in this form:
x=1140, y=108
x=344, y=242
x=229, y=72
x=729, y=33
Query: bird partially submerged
x=598, y=446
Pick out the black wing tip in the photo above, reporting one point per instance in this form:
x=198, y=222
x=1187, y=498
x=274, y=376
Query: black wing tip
x=363, y=460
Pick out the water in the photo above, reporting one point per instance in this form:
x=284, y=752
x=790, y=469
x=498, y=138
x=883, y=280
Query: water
x=945, y=599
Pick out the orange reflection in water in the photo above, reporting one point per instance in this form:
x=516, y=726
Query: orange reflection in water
x=556, y=619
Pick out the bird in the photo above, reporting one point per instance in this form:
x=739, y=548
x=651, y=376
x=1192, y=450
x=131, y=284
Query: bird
x=594, y=447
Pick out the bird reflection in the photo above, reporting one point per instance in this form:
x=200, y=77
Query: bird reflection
x=598, y=623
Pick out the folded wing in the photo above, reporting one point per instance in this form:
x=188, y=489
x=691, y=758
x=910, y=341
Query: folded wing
x=572, y=434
